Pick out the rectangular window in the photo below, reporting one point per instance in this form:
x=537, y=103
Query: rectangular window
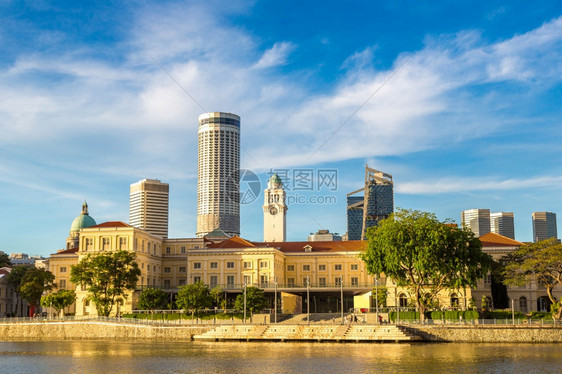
x=63, y=269
x=322, y=282
x=247, y=264
x=167, y=282
x=230, y=281
x=182, y=269
x=182, y=250
x=230, y=265
x=154, y=268
x=306, y=268
x=105, y=244
x=354, y=266
x=181, y=282
x=213, y=281
x=321, y=267
x=168, y=250
x=488, y=279
x=248, y=279
x=290, y=267
x=142, y=266
x=122, y=243
x=214, y=265
x=89, y=243
x=263, y=264
x=337, y=281
x=197, y=265
x=305, y=281
x=196, y=278
x=264, y=280
x=354, y=281
x=337, y=267
x=62, y=284
x=167, y=269
x=290, y=282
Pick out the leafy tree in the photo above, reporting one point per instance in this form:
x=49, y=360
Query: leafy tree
x=34, y=283
x=106, y=277
x=59, y=300
x=498, y=287
x=152, y=299
x=218, y=297
x=416, y=250
x=542, y=260
x=194, y=296
x=382, y=294
x=4, y=260
x=15, y=278
x=255, y=300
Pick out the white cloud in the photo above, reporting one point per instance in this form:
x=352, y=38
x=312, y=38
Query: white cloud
x=465, y=185
x=275, y=56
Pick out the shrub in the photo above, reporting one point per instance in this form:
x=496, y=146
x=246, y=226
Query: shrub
x=408, y=315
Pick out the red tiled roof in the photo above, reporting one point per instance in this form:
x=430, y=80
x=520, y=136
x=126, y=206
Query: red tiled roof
x=496, y=240
x=66, y=251
x=320, y=246
x=111, y=224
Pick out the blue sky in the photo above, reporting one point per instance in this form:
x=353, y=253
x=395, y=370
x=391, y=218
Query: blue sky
x=459, y=101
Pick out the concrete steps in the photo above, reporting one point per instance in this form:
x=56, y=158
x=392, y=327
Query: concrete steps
x=280, y=332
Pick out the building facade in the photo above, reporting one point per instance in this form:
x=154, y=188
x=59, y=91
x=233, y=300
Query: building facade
x=502, y=223
x=148, y=206
x=218, y=173
x=477, y=220
x=544, y=226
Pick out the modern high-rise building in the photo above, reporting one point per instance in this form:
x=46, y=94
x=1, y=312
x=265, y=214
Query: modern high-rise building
x=544, y=226
x=218, y=173
x=478, y=220
x=376, y=204
x=148, y=206
x=502, y=223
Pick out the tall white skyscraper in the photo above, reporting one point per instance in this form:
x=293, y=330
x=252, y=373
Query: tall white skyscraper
x=148, y=206
x=478, y=220
x=218, y=172
x=544, y=226
x=502, y=223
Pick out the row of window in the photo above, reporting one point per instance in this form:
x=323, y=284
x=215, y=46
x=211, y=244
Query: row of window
x=322, y=267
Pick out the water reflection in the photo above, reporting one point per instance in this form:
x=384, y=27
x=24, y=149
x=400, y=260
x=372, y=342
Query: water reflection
x=196, y=357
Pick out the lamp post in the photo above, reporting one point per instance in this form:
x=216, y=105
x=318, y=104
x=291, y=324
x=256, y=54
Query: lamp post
x=275, y=301
x=307, y=300
x=377, y=297
x=244, y=301
x=341, y=288
x=513, y=311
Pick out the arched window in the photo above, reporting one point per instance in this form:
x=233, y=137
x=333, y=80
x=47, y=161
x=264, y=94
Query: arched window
x=454, y=301
x=523, y=304
x=403, y=299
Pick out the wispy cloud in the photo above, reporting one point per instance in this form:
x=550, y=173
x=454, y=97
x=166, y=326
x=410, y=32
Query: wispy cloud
x=275, y=56
x=465, y=185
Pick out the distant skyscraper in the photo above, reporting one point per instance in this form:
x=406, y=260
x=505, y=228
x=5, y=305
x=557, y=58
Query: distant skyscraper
x=502, y=223
x=376, y=204
x=478, y=220
x=544, y=226
x=218, y=172
x=148, y=206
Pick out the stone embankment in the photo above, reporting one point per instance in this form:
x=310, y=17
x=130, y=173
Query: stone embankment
x=97, y=330
x=490, y=334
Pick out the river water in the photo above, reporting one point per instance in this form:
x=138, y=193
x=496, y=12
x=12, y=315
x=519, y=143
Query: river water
x=203, y=357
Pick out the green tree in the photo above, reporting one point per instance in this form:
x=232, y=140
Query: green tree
x=418, y=251
x=59, y=300
x=218, y=297
x=152, y=299
x=107, y=277
x=4, y=260
x=382, y=294
x=34, y=283
x=15, y=278
x=255, y=300
x=194, y=296
x=542, y=260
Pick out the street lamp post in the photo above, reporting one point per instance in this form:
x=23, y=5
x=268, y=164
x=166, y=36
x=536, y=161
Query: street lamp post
x=307, y=300
x=244, y=301
x=341, y=288
x=377, y=298
x=275, y=301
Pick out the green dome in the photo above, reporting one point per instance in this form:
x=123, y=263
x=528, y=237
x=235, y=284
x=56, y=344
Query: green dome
x=275, y=181
x=83, y=220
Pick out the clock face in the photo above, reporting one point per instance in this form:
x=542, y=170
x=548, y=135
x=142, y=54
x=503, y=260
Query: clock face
x=273, y=210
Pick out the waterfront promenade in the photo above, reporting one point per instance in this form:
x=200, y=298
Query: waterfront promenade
x=131, y=329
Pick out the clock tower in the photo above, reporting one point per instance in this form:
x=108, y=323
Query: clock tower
x=274, y=211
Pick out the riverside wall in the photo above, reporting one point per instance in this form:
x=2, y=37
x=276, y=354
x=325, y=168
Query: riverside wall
x=490, y=334
x=123, y=331
x=97, y=330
